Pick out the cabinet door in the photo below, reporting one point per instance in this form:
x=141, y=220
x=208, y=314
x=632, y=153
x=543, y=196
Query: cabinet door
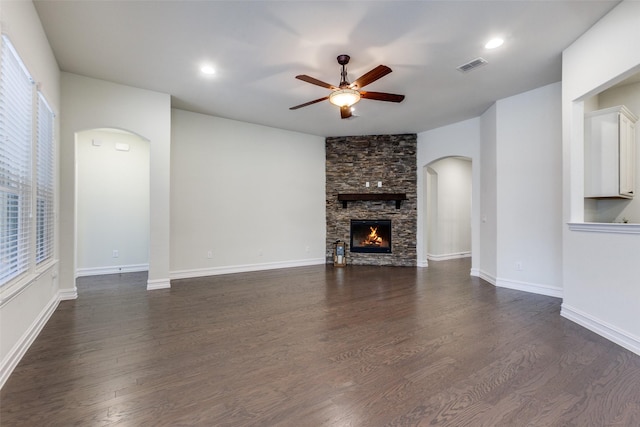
x=627, y=156
x=602, y=178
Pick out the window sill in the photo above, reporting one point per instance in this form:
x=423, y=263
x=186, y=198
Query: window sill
x=602, y=227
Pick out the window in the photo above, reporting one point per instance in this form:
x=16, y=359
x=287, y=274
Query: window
x=26, y=140
x=44, y=182
x=16, y=101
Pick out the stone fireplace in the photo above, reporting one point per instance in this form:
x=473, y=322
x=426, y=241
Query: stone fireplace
x=353, y=161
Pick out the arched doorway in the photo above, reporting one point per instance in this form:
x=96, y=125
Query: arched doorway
x=448, y=216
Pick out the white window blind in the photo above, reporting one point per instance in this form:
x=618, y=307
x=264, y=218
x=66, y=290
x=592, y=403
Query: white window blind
x=16, y=116
x=44, y=181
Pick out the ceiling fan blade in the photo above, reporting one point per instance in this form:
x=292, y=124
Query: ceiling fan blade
x=381, y=96
x=309, y=103
x=373, y=75
x=345, y=112
x=316, y=82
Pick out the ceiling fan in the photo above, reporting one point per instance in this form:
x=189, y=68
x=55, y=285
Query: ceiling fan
x=346, y=94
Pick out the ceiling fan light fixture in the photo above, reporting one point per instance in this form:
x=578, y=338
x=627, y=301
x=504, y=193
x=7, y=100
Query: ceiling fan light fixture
x=344, y=97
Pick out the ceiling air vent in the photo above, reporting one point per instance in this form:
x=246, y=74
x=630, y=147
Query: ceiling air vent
x=472, y=65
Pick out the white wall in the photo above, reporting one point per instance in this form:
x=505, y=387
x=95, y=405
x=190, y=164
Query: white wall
x=489, y=193
x=251, y=195
x=89, y=104
x=459, y=139
x=529, y=193
x=601, y=270
x=616, y=210
x=113, y=202
x=518, y=206
x=26, y=305
x=430, y=230
x=451, y=200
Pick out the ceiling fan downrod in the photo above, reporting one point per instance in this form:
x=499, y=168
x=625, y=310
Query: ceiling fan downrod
x=343, y=60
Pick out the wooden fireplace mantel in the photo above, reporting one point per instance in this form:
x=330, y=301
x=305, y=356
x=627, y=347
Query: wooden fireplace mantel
x=354, y=197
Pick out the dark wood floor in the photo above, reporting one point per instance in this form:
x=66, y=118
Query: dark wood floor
x=318, y=346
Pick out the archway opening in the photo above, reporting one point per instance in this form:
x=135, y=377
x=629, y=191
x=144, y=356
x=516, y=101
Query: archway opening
x=112, y=202
x=448, y=208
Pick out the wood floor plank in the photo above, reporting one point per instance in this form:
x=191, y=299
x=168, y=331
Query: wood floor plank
x=316, y=346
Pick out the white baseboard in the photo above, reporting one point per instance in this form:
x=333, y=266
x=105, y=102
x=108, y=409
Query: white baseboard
x=487, y=277
x=472, y=272
x=215, y=271
x=444, y=257
x=534, y=288
x=11, y=360
x=68, y=294
x=155, y=284
x=610, y=332
x=114, y=269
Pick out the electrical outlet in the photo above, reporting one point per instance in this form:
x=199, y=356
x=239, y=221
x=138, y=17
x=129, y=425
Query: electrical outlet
x=209, y=254
x=519, y=265
x=115, y=253
x=307, y=249
x=366, y=184
x=379, y=183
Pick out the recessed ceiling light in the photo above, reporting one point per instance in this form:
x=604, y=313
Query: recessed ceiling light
x=494, y=43
x=208, y=69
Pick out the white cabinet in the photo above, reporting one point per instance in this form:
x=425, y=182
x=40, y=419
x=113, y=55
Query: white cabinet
x=609, y=153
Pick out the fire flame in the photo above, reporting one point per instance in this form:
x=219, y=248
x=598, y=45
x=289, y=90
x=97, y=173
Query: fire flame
x=373, y=239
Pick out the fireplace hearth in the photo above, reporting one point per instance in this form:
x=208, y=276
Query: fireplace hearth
x=370, y=236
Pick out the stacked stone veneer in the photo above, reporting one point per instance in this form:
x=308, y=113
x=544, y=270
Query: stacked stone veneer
x=351, y=162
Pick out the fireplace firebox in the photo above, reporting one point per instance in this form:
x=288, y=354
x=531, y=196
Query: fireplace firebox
x=370, y=236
